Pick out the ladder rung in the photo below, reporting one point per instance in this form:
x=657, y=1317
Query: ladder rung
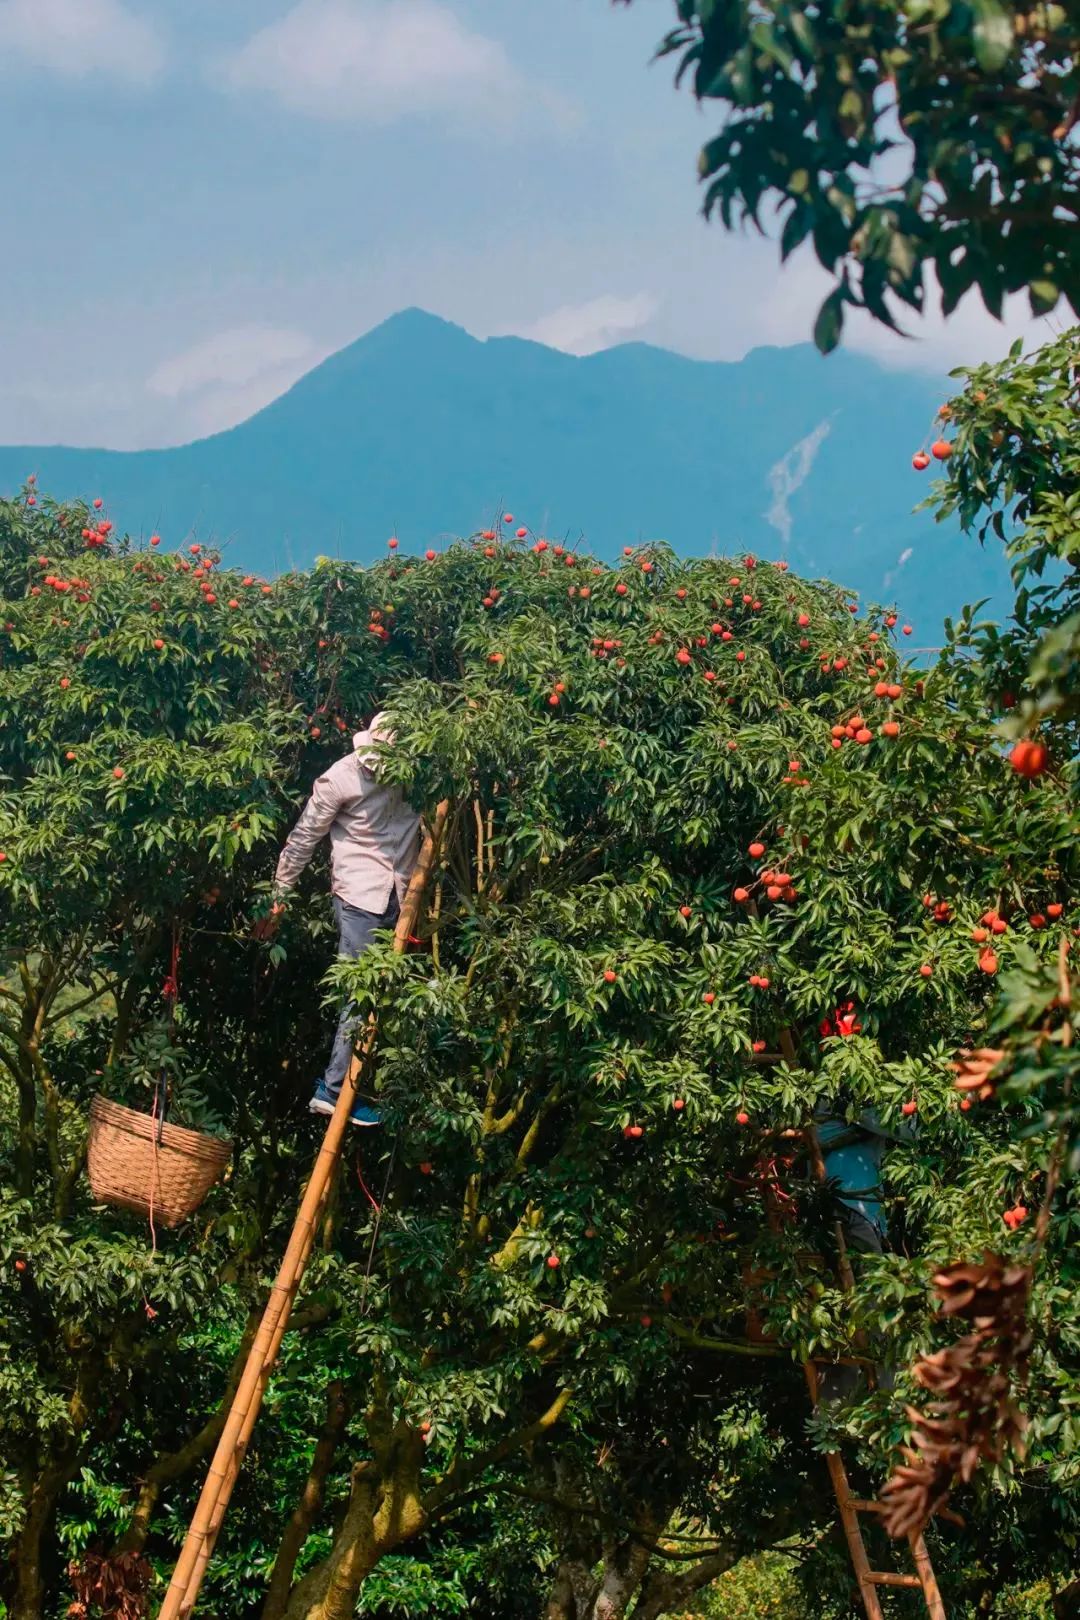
x=841, y=1361
x=885, y=1577
x=877, y=1507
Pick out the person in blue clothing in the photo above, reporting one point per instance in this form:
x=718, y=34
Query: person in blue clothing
x=374, y=844
x=853, y=1152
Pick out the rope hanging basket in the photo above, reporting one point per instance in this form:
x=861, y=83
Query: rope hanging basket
x=129, y=1166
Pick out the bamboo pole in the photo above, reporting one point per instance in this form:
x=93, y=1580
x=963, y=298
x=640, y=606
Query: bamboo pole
x=935, y=1608
x=848, y=1513
x=921, y=1558
x=227, y=1460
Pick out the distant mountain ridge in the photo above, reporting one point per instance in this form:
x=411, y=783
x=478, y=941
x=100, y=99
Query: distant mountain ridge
x=421, y=430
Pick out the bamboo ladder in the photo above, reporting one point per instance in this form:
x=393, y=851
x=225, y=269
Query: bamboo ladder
x=848, y=1505
x=225, y=1467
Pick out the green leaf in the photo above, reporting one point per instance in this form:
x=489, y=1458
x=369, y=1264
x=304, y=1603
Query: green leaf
x=796, y=228
x=1044, y=295
x=764, y=37
x=993, y=34
x=830, y=321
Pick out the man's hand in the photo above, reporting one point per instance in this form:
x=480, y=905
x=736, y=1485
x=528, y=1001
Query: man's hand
x=266, y=927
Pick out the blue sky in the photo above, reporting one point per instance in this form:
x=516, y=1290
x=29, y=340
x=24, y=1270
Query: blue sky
x=202, y=200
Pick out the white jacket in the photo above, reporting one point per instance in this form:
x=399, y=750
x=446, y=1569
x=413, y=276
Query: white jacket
x=374, y=832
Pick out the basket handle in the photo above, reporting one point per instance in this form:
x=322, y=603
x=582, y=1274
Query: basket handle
x=161, y=1102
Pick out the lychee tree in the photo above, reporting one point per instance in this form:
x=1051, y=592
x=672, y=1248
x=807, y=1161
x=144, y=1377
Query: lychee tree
x=680, y=1488
x=1011, y=478
x=148, y=745
x=599, y=989
x=596, y=1072
x=912, y=144
x=1010, y=468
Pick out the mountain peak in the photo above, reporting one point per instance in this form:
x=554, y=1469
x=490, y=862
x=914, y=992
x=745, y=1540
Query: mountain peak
x=412, y=325
x=421, y=430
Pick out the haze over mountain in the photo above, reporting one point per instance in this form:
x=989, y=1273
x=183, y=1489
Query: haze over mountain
x=421, y=430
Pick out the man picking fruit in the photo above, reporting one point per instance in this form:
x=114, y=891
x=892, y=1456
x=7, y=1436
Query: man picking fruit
x=374, y=843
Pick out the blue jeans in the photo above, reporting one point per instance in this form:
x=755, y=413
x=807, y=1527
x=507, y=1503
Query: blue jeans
x=356, y=930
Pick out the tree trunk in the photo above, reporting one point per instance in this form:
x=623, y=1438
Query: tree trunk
x=177, y=1463
x=1067, y=1602
x=664, y=1591
x=309, y=1506
x=26, y=1142
x=386, y=1510
x=29, y=1598
x=354, y=1546
x=625, y=1566
x=560, y=1603
x=44, y=1494
x=69, y=1180
x=383, y=1513
x=573, y=1591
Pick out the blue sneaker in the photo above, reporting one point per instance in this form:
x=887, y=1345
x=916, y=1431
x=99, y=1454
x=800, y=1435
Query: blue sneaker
x=361, y=1114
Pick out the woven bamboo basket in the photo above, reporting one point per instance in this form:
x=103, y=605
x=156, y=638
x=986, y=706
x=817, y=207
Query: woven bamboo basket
x=128, y=1166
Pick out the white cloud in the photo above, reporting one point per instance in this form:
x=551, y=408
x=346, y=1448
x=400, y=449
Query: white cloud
x=789, y=473
x=596, y=324
x=968, y=337
x=74, y=38
x=228, y=377
x=932, y=343
x=373, y=61
x=904, y=557
x=233, y=358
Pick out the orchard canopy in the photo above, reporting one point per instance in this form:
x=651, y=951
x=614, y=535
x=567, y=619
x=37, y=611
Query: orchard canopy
x=721, y=861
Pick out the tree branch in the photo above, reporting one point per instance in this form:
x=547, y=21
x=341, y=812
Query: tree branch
x=309, y=1506
x=463, y=1474
x=732, y=1347
x=174, y=1464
